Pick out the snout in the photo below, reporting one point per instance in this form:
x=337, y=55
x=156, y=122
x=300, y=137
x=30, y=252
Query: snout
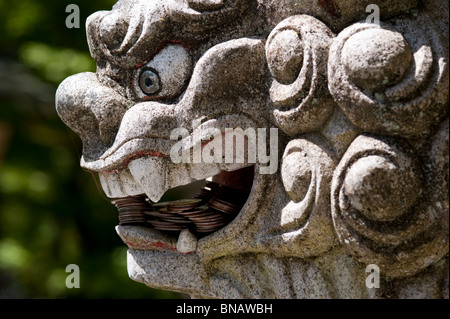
x=220, y=86
x=92, y=110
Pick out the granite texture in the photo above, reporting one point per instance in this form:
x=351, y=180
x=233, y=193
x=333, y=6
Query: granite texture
x=361, y=110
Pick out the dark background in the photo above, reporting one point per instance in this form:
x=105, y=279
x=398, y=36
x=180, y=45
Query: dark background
x=52, y=213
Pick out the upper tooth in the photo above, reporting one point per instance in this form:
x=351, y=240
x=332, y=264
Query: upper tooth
x=177, y=174
x=111, y=184
x=150, y=174
x=129, y=185
x=154, y=176
x=119, y=184
x=202, y=171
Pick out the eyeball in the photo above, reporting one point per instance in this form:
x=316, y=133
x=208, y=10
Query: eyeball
x=149, y=82
x=165, y=76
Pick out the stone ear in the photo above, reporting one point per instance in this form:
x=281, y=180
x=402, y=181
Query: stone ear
x=297, y=55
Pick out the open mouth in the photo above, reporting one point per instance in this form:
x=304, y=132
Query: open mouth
x=185, y=199
x=215, y=202
x=191, y=211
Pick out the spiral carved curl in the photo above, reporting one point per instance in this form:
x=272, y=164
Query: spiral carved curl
x=297, y=53
x=380, y=208
x=391, y=80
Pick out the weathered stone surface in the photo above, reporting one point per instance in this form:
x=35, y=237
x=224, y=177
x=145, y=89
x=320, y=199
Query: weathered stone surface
x=361, y=151
x=145, y=238
x=380, y=208
x=302, y=98
x=391, y=79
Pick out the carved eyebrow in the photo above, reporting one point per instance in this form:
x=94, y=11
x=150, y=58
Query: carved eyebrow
x=135, y=29
x=144, y=28
x=164, y=44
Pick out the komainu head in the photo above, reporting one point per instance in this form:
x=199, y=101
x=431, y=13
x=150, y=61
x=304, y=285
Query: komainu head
x=310, y=143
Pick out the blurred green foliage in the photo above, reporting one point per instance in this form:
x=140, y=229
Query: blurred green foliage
x=52, y=213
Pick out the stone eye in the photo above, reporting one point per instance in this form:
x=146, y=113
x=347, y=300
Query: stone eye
x=165, y=76
x=149, y=82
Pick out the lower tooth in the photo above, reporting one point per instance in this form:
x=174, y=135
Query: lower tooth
x=150, y=174
x=187, y=242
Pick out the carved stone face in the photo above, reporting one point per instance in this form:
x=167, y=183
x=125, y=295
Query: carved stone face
x=358, y=145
